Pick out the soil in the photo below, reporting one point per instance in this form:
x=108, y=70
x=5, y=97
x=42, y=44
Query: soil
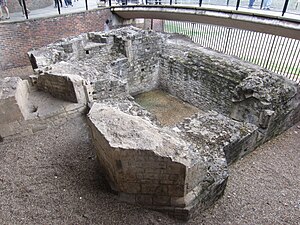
x=168, y=109
x=52, y=177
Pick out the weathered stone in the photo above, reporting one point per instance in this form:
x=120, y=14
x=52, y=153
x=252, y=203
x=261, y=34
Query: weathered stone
x=120, y=138
x=13, y=99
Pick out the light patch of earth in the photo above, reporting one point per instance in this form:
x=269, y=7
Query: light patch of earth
x=168, y=109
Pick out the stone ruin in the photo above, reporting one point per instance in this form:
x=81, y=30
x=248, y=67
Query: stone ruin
x=167, y=116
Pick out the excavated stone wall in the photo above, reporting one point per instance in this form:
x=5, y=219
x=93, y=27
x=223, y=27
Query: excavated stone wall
x=180, y=167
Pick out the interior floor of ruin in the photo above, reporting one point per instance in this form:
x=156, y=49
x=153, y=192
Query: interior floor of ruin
x=168, y=109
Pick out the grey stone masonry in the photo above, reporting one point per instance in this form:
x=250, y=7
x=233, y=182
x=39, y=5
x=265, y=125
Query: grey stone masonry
x=152, y=166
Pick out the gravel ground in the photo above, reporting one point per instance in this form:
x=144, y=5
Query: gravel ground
x=52, y=177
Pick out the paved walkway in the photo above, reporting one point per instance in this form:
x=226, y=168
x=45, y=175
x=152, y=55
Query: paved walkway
x=79, y=6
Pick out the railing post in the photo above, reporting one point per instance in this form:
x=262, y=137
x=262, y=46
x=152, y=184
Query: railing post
x=237, y=4
x=227, y=3
x=193, y=27
x=227, y=39
x=200, y=3
x=170, y=2
x=58, y=6
x=262, y=3
x=86, y=5
x=285, y=7
x=109, y=3
x=25, y=9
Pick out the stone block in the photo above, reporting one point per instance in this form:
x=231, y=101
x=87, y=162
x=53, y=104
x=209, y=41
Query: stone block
x=13, y=100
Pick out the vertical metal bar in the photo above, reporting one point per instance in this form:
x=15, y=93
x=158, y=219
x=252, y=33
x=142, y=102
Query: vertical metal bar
x=200, y=3
x=295, y=57
x=213, y=36
x=223, y=46
x=219, y=47
x=253, y=50
x=236, y=42
x=285, y=7
x=209, y=37
x=109, y=3
x=274, y=53
x=227, y=2
x=86, y=5
x=231, y=42
x=151, y=26
x=292, y=55
x=198, y=28
x=287, y=51
x=270, y=57
x=241, y=43
x=215, y=41
x=262, y=3
x=237, y=4
x=192, y=34
x=263, y=47
x=295, y=77
x=279, y=54
x=228, y=34
x=248, y=44
x=205, y=35
x=25, y=9
x=294, y=65
x=170, y=2
x=201, y=37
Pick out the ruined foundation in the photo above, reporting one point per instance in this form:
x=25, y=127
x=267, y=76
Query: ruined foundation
x=152, y=155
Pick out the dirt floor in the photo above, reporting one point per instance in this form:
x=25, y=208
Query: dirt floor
x=52, y=177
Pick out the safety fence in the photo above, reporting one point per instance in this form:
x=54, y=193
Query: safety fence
x=275, y=53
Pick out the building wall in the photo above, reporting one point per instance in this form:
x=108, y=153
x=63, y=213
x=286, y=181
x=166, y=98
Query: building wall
x=18, y=38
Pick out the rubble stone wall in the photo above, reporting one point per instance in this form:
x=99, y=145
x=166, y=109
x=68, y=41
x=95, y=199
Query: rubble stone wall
x=200, y=77
x=66, y=87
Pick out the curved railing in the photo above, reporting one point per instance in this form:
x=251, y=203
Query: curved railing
x=275, y=53
x=287, y=6
x=282, y=8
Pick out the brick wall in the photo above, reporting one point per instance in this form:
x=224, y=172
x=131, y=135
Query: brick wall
x=17, y=38
x=14, y=5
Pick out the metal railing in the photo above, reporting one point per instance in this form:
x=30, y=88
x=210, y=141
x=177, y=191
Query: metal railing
x=275, y=5
x=275, y=53
x=282, y=6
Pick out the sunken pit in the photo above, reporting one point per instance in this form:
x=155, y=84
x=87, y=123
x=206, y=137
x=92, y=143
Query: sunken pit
x=167, y=116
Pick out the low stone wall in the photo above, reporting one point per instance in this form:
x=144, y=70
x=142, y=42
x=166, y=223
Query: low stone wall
x=23, y=110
